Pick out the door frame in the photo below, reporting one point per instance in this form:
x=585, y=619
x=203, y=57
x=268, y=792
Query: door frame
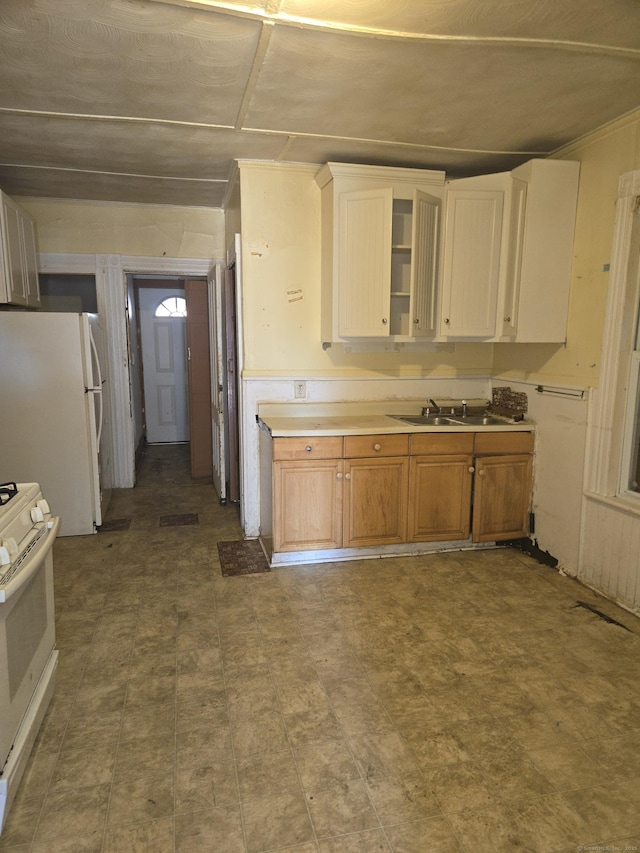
x=111, y=273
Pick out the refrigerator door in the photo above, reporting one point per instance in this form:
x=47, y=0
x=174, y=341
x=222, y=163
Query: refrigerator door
x=94, y=397
x=44, y=435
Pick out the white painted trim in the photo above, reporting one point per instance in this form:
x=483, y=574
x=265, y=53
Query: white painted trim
x=64, y=263
x=111, y=291
x=607, y=402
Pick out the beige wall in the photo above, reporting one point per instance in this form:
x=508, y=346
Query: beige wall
x=73, y=227
x=281, y=289
x=604, y=156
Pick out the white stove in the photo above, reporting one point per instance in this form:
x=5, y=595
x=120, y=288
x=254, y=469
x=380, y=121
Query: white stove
x=28, y=659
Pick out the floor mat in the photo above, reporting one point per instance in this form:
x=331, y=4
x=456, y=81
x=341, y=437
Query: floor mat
x=242, y=558
x=179, y=520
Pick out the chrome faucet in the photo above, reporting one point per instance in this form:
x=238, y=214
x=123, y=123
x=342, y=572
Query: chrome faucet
x=426, y=410
x=464, y=408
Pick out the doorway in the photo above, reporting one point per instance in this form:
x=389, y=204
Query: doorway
x=170, y=366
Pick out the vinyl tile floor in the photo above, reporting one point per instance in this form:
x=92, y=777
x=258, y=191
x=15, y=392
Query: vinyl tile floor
x=453, y=702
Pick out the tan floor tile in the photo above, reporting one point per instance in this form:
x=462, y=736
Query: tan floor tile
x=550, y=823
x=81, y=768
x=200, y=786
x=155, y=835
x=265, y=734
x=78, y=812
x=278, y=821
x=567, y=768
x=371, y=841
x=274, y=772
x=337, y=811
x=400, y=799
x=218, y=829
x=433, y=834
x=139, y=799
x=491, y=830
x=158, y=718
x=325, y=765
x=312, y=726
x=607, y=809
x=144, y=756
x=383, y=755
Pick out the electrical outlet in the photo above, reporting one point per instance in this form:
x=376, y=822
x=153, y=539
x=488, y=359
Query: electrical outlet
x=299, y=389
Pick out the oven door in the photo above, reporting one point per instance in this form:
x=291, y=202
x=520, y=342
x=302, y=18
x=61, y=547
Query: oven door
x=27, y=635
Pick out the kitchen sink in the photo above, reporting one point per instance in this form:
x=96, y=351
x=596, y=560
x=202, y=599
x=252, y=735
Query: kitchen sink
x=425, y=420
x=453, y=420
x=479, y=420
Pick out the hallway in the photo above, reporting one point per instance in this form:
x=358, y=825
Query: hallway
x=454, y=702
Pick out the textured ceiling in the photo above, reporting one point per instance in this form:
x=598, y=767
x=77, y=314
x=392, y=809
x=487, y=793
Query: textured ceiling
x=151, y=100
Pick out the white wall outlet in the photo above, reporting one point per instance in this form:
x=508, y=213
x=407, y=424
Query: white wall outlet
x=299, y=389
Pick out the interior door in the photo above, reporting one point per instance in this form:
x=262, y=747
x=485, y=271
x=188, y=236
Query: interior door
x=164, y=359
x=199, y=373
x=219, y=473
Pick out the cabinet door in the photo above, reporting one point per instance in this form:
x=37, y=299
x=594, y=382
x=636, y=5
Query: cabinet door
x=16, y=285
x=307, y=505
x=502, y=496
x=471, y=263
x=424, y=263
x=547, y=249
x=440, y=498
x=30, y=260
x=508, y=318
x=364, y=263
x=375, y=501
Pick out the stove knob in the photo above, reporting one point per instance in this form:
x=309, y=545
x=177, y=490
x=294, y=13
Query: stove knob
x=5, y=559
x=44, y=506
x=36, y=514
x=11, y=545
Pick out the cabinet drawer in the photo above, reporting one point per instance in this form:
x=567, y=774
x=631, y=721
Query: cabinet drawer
x=441, y=442
x=503, y=442
x=376, y=445
x=308, y=447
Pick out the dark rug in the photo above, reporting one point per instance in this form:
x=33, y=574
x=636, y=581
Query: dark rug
x=242, y=558
x=115, y=524
x=179, y=520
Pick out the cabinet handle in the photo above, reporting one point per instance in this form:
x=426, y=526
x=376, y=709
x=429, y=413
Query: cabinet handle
x=339, y=476
x=471, y=469
x=308, y=448
x=347, y=476
x=481, y=473
x=447, y=321
x=376, y=447
x=384, y=321
x=507, y=319
x=416, y=321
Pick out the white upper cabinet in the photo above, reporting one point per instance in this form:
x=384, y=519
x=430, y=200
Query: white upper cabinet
x=543, y=217
x=473, y=244
x=380, y=244
x=508, y=250
x=18, y=260
x=406, y=257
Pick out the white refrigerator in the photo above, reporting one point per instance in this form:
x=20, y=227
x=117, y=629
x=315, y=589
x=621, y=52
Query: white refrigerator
x=54, y=414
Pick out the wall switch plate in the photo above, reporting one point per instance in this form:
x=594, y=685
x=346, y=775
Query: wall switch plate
x=299, y=389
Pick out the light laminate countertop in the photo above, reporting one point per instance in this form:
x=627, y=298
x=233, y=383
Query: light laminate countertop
x=345, y=424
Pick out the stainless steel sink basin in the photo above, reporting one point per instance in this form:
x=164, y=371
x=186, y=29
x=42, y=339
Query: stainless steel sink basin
x=424, y=420
x=479, y=420
x=452, y=420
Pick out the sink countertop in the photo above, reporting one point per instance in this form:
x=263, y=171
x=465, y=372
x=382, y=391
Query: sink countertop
x=371, y=424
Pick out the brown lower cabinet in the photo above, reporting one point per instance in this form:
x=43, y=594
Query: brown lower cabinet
x=361, y=491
